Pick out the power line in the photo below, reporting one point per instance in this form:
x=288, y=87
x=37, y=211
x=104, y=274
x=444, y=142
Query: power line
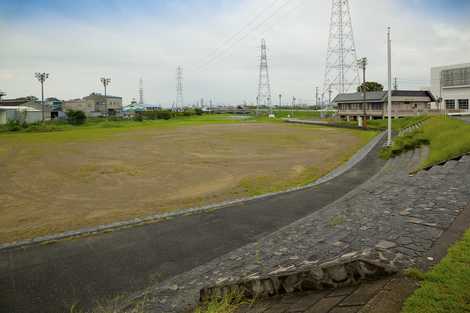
x=231, y=38
x=262, y=23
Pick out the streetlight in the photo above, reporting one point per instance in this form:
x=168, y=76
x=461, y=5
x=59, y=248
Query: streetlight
x=41, y=77
x=105, y=81
x=389, y=106
x=362, y=63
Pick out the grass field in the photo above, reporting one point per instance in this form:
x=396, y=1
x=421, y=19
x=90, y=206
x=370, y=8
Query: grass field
x=447, y=138
x=83, y=176
x=446, y=287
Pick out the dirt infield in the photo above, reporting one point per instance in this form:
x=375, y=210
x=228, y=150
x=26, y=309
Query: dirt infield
x=49, y=185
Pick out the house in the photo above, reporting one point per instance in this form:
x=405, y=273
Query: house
x=404, y=103
x=19, y=113
x=451, y=84
x=96, y=105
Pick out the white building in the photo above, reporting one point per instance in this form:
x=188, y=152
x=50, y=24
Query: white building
x=19, y=113
x=451, y=85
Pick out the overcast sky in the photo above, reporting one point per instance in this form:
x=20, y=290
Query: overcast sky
x=217, y=44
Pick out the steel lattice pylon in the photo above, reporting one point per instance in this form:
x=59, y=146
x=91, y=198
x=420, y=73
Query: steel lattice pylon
x=179, y=88
x=141, y=91
x=341, y=73
x=264, y=87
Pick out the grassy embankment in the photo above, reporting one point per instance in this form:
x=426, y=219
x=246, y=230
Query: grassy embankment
x=382, y=124
x=447, y=139
x=446, y=287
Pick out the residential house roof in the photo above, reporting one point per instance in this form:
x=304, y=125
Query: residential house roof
x=381, y=96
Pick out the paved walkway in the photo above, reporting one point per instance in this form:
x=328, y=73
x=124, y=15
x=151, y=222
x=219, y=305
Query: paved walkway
x=50, y=278
x=383, y=296
x=393, y=211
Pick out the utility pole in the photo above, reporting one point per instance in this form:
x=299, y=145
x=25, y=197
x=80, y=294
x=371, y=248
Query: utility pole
x=362, y=63
x=329, y=95
x=105, y=81
x=41, y=77
x=141, y=91
x=389, y=108
x=316, y=97
x=395, y=83
x=280, y=101
x=293, y=105
x=179, y=88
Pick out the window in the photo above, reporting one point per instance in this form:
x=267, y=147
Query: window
x=463, y=104
x=450, y=104
x=455, y=77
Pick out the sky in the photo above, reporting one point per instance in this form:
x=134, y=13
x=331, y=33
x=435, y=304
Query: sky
x=217, y=43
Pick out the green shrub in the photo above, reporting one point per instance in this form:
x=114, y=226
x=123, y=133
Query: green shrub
x=407, y=142
x=138, y=117
x=13, y=126
x=164, y=115
x=198, y=111
x=76, y=117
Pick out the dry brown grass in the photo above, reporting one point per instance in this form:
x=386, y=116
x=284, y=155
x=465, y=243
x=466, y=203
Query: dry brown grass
x=49, y=184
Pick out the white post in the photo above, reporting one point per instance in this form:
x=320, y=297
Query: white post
x=389, y=108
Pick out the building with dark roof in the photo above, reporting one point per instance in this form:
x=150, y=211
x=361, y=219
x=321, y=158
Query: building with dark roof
x=404, y=103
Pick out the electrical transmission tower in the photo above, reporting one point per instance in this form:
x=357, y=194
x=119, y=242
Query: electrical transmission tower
x=141, y=91
x=341, y=73
x=264, y=87
x=179, y=88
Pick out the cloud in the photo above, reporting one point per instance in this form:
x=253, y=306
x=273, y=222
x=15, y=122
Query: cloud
x=128, y=41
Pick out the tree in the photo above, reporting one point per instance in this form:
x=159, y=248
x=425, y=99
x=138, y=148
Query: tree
x=370, y=86
x=76, y=117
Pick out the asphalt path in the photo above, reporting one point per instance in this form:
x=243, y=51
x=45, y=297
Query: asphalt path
x=51, y=278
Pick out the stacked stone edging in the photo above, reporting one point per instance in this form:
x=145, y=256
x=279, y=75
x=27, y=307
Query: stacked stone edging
x=346, y=270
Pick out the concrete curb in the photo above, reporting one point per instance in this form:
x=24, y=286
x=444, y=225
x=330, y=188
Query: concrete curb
x=361, y=154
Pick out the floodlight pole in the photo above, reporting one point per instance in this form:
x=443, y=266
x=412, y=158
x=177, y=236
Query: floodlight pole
x=363, y=65
x=389, y=108
x=41, y=77
x=105, y=81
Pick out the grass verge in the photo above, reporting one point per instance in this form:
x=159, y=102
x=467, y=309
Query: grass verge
x=228, y=304
x=446, y=287
x=447, y=139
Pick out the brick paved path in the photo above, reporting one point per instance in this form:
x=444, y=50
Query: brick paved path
x=393, y=210
x=383, y=296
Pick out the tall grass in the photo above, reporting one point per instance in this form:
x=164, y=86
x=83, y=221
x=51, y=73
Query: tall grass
x=447, y=139
x=228, y=304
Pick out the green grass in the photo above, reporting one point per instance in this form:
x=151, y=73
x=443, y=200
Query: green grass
x=336, y=220
x=447, y=139
x=446, y=288
x=100, y=129
x=397, y=123
x=228, y=304
x=303, y=115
